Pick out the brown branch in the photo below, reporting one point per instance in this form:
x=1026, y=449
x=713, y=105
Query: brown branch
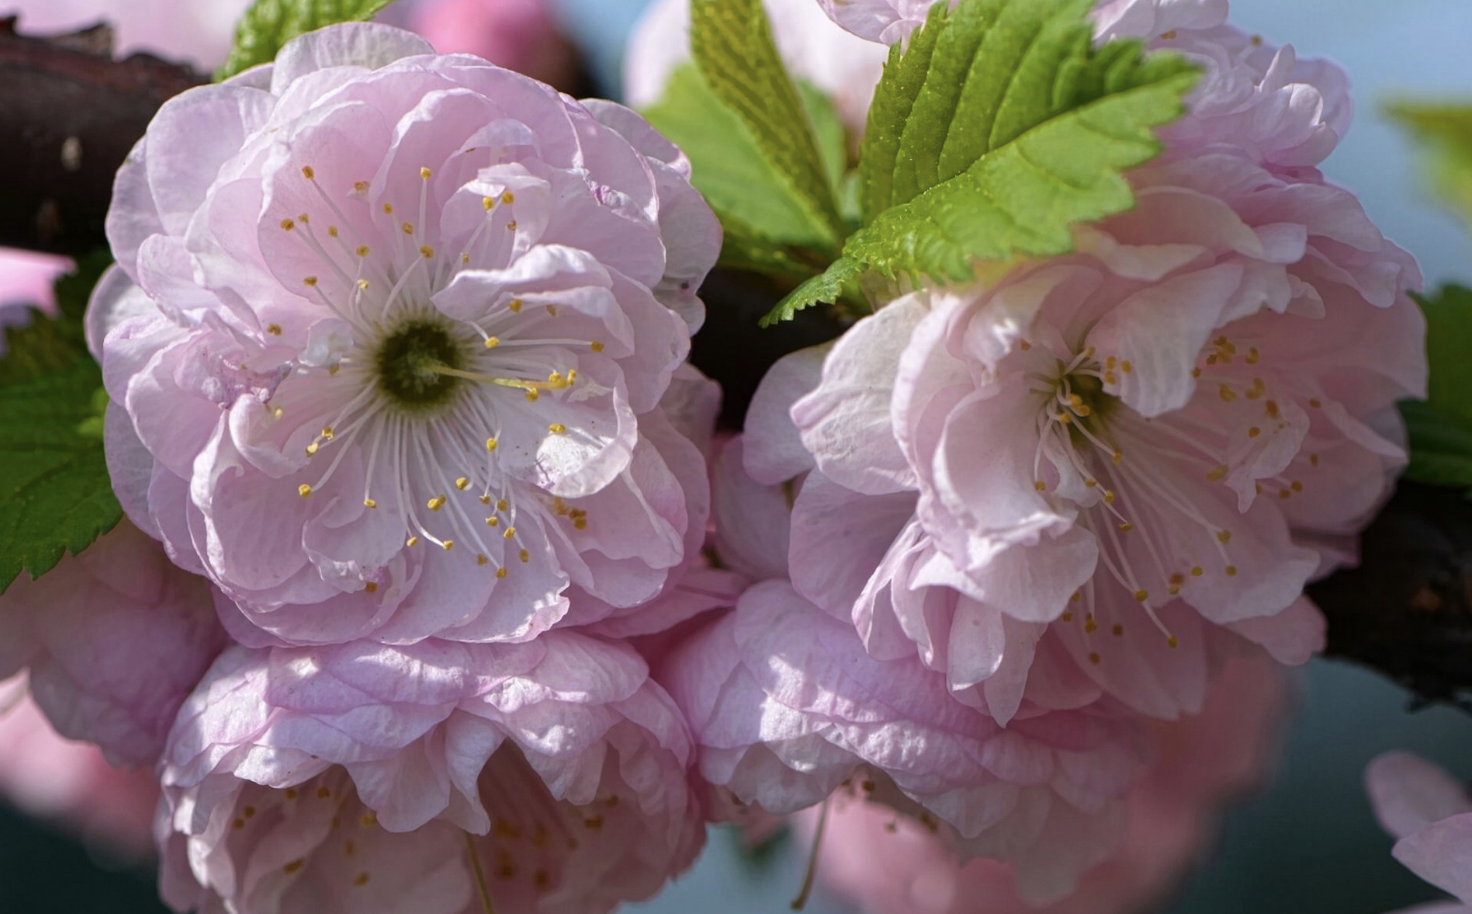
x=69, y=113
x=1407, y=609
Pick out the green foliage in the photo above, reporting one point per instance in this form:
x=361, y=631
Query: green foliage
x=269, y=24
x=1441, y=427
x=1446, y=131
x=828, y=286
x=733, y=48
x=994, y=133
x=55, y=494
x=768, y=227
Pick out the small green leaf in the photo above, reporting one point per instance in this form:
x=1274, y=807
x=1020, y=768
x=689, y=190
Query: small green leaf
x=269, y=24
x=1017, y=130
x=732, y=44
x=55, y=494
x=729, y=168
x=1441, y=427
x=829, y=286
x=1446, y=131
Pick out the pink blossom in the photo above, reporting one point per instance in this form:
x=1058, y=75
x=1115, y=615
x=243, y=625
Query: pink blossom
x=25, y=283
x=787, y=708
x=114, y=639
x=1430, y=815
x=70, y=783
x=389, y=304
x=884, y=21
x=520, y=35
x=354, y=777
x=843, y=67
x=887, y=864
x=1102, y=464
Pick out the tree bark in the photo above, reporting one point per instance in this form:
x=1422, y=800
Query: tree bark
x=69, y=113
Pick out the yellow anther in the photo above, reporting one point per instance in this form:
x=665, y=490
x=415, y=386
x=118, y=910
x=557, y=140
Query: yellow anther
x=482, y=559
x=1196, y=571
x=1178, y=579
x=462, y=483
x=362, y=250
x=436, y=503
x=361, y=880
x=449, y=544
x=508, y=198
x=360, y=186
x=388, y=208
x=1173, y=641
x=371, y=587
x=303, y=219
x=533, y=395
x=287, y=224
x=304, y=490
x=407, y=228
x=1226, y=393
x=1216, y=473
x=511, y=226
x=273, y=329
x=308, y=173
x=485, y=499
x=412, y=541
x=581, y=523
x=1313, y=460
x=552, y=310
x=369, y=503
x=502, y=505
x=1284, y=494
x=327, y=432
x=515, y=305
x=596, y=345
x=493, y=521
x=1067, y=617
x=572, y=376
x=1117, y=630
x=1110, y=378
x=1142, y=595
x=1231, y=571
x=1253, y=356
x=1316, y=403
x=510, y=533
x=1224, y=536
x=1094, y=658
x=1253, y=432
x=492, y=342
x=276, y=413
x=1168, y=36
x=294, y=866
x=1296, y=486
x=525, y=556
x=1126, y=367
x=425, y=173
x=1024, y=345
x=289, y=793
x=1126, y=527
x=465, y=258
x=1271, y=408
x=1195, y=372
x=1040, y=486
x=501, y=572
x=310, y=280
x=427, y=252
x=488, y=202
x=492, y=444
x=1117, y=457
x=1108, y=497
x=555, y=379
x=1091, y=624
x=363, y=284
x=312, y=449
x=331, y=231
x=1091, y=483
x=557, y=428
x=1111, y=362
x=1065, y=418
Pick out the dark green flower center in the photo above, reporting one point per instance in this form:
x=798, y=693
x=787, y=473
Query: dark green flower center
x=410, y=363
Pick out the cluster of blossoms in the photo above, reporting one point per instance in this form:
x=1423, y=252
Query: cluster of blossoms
x=414, y=604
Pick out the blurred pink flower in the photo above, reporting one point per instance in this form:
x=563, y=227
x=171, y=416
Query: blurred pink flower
x=26, y=282
x=353, y=777
x=114, y=639
x=460, y=295
x=520, y=35
x=887, y=864
x=1100, y=464
x=1430, y=816
x=71, y=784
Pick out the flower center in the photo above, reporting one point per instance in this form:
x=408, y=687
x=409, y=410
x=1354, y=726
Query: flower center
x=409, y=365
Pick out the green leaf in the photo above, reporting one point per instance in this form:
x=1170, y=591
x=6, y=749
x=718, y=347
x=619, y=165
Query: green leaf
x=829, y=286
x=729, y=168
x=269, y=24
x=1446, y=131
x=55, y=495
x=1441, y=427
x=1016, y=130
x=731, y=41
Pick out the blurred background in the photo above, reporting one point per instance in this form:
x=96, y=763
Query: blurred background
x=1306, y=844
